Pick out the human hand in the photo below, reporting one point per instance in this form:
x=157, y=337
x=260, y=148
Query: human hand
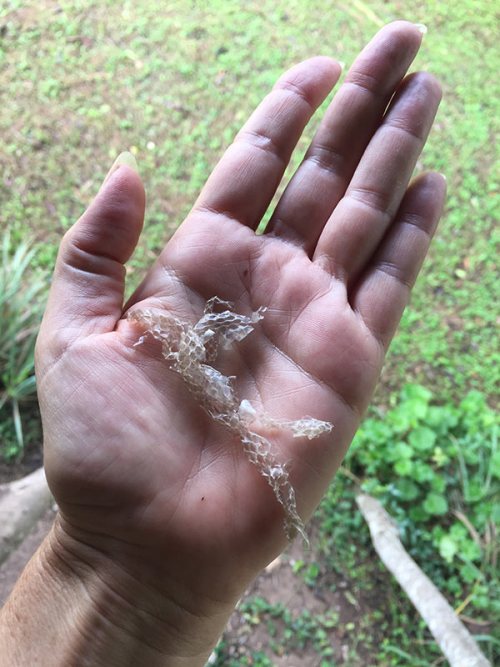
x=147, y=484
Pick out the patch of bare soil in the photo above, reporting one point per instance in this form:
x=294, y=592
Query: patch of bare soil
x=31, y=460
x=31, y=457
x=332, y=596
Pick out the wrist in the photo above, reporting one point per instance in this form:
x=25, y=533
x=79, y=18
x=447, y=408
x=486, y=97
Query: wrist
x=85, y=608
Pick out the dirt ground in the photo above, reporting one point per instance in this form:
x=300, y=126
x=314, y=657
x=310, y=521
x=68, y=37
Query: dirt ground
x=279, y=585
x=32, y=459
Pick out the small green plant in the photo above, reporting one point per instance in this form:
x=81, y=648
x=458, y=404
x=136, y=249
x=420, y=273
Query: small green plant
x=437, y=470
x=291, y=631
x=21, y=307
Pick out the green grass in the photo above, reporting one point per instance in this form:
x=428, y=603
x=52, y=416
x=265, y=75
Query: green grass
x=83, y=80
x=22, y=299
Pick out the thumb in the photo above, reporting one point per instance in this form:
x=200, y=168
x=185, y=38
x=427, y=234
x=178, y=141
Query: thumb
x=89, y=279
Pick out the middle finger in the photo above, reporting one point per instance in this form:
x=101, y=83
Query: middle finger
x=348, y=125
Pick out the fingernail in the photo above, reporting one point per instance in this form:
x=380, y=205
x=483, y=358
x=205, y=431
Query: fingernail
x=421, y=28
x=443, y=176
x=124, y=159
x=342, y=65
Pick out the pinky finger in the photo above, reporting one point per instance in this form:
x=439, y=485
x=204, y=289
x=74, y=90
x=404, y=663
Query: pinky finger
x=383, y=291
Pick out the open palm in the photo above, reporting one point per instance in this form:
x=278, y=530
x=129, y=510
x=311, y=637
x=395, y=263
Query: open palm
x=139, y=470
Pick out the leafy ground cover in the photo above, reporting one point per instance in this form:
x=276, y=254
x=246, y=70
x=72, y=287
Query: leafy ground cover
x=437, y=470
x=82, y=80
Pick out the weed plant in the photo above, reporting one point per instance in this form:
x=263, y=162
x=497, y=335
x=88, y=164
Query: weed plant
x=437, y=470
x=22, y=298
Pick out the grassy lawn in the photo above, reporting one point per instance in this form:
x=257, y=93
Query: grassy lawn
x=83, y=80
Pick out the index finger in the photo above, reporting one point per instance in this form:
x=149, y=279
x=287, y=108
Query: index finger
x=245, y=180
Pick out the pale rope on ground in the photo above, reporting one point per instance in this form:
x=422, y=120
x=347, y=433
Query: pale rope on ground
x=22, y=503
x=451, y=635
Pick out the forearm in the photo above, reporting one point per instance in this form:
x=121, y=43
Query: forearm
x=79, y=608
